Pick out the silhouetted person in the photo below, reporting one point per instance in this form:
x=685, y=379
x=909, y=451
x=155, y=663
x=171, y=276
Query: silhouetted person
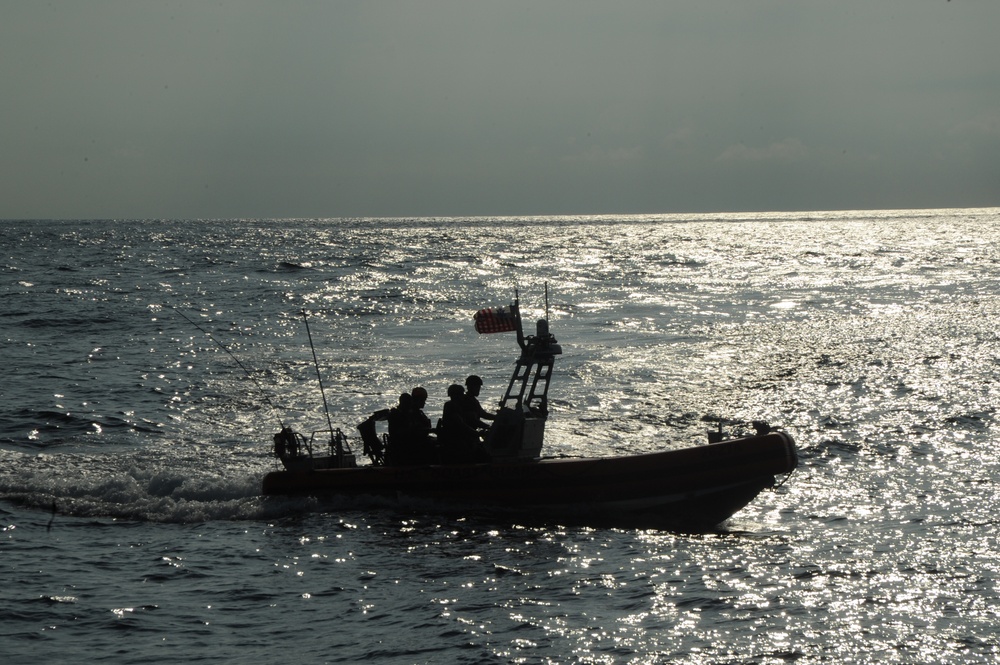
x=472, y=411
x=398, y=418
x=420, y=424
x=461, y=443
x=409, y=431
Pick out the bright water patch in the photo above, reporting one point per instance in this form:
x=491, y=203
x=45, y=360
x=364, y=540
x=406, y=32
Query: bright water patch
x=869, y=336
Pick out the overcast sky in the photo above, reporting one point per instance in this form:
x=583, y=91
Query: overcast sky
x=258, y=108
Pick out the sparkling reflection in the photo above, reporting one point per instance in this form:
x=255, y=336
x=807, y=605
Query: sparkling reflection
x=871, y=337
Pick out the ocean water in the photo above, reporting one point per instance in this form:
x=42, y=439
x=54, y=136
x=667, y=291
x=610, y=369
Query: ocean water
x=146, y=365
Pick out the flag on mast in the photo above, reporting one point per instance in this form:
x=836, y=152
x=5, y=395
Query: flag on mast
x=495, y=320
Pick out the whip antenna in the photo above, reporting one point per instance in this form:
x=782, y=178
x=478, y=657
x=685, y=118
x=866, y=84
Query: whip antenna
x=318, y=375
x=277, y=413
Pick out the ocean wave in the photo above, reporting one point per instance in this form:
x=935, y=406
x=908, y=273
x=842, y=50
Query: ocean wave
x=146, y=486
x=44, y=428
x=289, y=266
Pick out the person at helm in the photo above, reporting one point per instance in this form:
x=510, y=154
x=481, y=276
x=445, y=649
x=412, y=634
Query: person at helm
x=472, y=411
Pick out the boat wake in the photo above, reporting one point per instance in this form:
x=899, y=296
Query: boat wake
x=148, y=485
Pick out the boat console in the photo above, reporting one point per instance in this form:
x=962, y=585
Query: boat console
x=518, y=431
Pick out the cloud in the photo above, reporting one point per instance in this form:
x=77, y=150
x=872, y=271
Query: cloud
x=141, y=108
x=606, y=158
x=781, y=152
x=985, y=126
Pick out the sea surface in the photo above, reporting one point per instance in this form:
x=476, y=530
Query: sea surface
x=147, y=363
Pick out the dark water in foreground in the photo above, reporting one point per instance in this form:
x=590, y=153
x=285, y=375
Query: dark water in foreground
x=870, y=336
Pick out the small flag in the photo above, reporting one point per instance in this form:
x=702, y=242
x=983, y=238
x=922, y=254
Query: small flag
x=495, y=320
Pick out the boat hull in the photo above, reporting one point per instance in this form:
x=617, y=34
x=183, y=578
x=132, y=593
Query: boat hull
x=695, y=487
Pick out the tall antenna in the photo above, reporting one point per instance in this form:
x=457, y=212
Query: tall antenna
x=319, y=377
x=250, y=376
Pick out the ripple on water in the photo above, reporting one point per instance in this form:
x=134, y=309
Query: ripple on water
x=868, y=336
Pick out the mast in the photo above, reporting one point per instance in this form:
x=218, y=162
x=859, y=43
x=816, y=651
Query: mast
x=529, y=384
x=519, y=428
x=335, y=441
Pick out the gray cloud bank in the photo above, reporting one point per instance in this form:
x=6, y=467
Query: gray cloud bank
x=256, y=109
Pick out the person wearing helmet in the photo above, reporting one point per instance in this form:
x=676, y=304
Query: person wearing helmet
x=409, y=431
x=461, y=443
x=472, y=411
x=420, y=424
